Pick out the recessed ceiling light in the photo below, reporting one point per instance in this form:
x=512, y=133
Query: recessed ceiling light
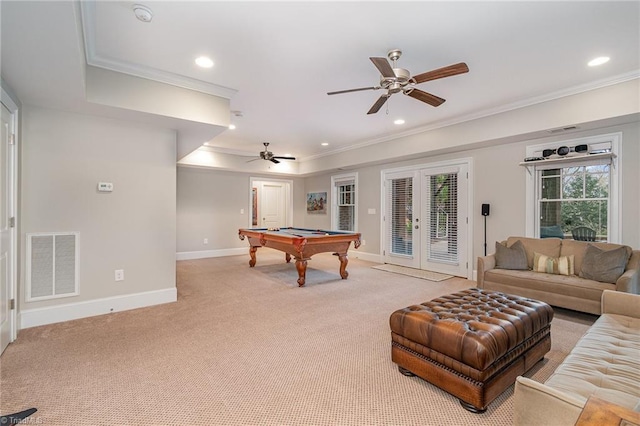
x=204, y=62
x=399, y=121
x=325, y=144
x=232, y=126
x=598, y=61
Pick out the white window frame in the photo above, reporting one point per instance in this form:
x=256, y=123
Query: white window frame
x=335, y=180
x=615, y=191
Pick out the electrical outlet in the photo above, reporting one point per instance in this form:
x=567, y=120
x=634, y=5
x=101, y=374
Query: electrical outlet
x=364, y=242
x=119, y=274
x=205, y=241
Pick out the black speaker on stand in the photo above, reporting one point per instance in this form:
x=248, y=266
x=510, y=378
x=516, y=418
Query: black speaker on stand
x=485, y=213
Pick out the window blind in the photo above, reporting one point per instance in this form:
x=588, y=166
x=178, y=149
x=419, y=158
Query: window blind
x=442, y=205
x=400, y=216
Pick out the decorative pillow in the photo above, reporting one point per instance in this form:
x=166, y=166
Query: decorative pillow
x=563, y=265
x=604, y=265
x=513, y=257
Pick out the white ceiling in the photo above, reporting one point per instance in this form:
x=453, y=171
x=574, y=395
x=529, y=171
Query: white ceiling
x=277, y=60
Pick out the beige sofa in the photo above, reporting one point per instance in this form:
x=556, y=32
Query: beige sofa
x=604, y=363
x=565, y=291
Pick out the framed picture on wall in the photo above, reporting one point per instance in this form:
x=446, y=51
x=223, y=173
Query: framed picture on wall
x=317, y=202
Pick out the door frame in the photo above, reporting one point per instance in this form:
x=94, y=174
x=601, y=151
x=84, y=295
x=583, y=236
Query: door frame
x=412, y=260
x=288, y=195
x=9, y=103
x=463, y=190
x=468, y=163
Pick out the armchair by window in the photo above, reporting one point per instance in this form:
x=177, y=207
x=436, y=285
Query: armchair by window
x=583, y=233
x=554, y=231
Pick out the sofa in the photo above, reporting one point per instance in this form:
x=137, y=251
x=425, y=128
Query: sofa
x=605, y=363
x=568, y=280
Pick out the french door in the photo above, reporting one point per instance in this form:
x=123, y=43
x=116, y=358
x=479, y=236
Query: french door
x=426, y=223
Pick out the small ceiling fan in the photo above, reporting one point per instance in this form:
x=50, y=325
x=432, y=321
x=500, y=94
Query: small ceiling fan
x=394, y=80
x=268, y=155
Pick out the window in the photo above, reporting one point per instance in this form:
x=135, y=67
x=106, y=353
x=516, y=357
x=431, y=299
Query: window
x=575, y=196
x=345, y=202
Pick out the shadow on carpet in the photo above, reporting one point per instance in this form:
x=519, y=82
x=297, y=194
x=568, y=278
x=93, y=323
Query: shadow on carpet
x=412, y=272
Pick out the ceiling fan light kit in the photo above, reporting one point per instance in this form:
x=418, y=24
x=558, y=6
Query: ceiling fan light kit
x=268, y=155
x=395, y=80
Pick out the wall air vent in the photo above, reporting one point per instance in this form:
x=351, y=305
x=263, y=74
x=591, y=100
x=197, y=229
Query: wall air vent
x=52, y=265
x=562, y=129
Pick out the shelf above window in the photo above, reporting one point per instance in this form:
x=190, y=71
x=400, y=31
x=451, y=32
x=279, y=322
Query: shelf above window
x=569, y=159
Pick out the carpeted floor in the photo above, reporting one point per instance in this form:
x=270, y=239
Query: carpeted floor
x=248, y=347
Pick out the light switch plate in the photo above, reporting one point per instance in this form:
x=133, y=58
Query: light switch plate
x=105, y=186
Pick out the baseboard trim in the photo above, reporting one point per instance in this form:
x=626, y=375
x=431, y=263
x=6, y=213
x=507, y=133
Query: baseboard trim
x=370, y=257
x=53, y=314
x=202, y=254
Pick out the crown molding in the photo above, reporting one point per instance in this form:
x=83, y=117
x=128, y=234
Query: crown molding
x=622, y=78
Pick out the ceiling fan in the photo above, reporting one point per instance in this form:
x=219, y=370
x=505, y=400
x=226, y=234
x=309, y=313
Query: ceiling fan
x=395, y=80
x=268, y=155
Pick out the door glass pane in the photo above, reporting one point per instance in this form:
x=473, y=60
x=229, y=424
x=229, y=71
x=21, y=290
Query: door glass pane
x=402, y=216
x=442, y=205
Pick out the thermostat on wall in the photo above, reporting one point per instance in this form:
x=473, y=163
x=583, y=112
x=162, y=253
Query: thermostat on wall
x=105, y=186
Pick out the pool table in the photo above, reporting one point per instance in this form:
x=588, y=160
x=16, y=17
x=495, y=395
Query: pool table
x=301, y=243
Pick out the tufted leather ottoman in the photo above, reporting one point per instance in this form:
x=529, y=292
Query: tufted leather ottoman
x=472, y=344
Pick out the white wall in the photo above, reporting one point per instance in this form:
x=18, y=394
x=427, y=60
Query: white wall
x=498, y=180
x=208, y=206
x=63, y=157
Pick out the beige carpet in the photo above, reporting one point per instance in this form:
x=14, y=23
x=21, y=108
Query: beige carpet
x=248, y=347
x=413, y=272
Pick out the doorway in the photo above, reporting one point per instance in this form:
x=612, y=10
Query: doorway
x=426, y=222
x=8, y=247
x=270, y=203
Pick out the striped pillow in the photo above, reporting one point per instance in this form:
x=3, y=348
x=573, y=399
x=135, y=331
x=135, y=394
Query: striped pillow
x=563, y=265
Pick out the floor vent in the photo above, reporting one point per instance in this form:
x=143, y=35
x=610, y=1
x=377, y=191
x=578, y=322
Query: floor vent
x=52, y=265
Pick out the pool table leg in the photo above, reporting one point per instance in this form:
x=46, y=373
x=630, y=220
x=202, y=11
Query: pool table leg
x=252, y=253
x=343, y=264
x=301, y=266
x=287, y=257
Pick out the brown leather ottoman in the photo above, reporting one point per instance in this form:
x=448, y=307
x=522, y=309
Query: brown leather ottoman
x=472, y=344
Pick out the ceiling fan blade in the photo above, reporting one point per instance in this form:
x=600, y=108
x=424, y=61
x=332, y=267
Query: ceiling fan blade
x=253, y=159
x=284, y=158
x=428, y=98
x=376, y=107
x=352, y=90
x=384, y=67
x=455, y=69
x=273, y=160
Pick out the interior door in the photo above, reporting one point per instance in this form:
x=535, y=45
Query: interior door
x=6, y=243
x=272, y=205
x=402, y=219
x=444, y=220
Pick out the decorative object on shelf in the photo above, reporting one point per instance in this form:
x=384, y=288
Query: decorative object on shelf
x=564, y=150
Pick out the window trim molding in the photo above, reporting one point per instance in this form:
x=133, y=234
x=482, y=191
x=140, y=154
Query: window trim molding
x=335, y=179
x=615, y=191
